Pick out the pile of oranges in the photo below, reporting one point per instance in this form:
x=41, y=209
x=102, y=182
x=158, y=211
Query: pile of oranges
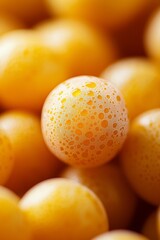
x=79, y=120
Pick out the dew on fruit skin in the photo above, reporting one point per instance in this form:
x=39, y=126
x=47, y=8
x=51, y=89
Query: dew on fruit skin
x=91, y=121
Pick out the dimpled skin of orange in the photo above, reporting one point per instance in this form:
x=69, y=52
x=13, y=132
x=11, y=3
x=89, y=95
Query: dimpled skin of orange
x=84, y=121
x=6, y=157
x=150, y=228
x=29, y=70
x=8, y=23
x=152, y=37
x=140, y=156
x=83, y=49
x=61, y=209
x=14, y=224
x=121, y=235
x=111, y=14
x=138, y=79
x=33, y=161
x=109, y=184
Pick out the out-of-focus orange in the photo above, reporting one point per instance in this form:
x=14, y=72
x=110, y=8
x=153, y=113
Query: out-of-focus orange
x=6, y=157
x=14, y=224
x=152, y=37
x=111, y=14
x=140, y=156
x=109, y=184
x=138, y=79
x=33, y=161
x=29, y=70
x=83, y=49
x=62, y=209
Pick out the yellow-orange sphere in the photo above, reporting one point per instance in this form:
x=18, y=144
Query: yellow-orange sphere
x=121, y=235
x=29, y=70
x=82, y=49
x=111, y=14
x=61, y=209
x=6, y=157
x=84, y=121
x=140, y=156
x=14, y=224
x=109, y=184
x=150, y=227
x=152, y=37
x=32, y=160
x=138, y=79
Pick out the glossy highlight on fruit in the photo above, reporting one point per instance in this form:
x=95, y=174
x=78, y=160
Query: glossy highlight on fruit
x=84, y=121
x=61, y=209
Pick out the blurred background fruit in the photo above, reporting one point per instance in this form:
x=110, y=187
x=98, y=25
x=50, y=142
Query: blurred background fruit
x=109, y=184
x=140, y=156
x=152, y=37
x=32, y=160
x=29, y=70
x=14, y=224
x=82, y=48
x=6, y=157
x=65, y=210
x=138, y=79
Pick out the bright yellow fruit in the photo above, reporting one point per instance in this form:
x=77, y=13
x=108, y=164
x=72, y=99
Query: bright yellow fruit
x=82, y=49
x=150, y=228
x=152, y=37
x=138, y=79
x=61, y=209
x=109, y=184
x=33, y=161
x=84, y=121
x=111, y=14
x=14, y=225
x=8, y=23
x=140, y=156
x=6, y=157
x=121, y=235
x=28, y=71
